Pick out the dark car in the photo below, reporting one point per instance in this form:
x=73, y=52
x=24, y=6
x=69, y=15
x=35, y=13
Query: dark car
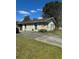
x=17, y=30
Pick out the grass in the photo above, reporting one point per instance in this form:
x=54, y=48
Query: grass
x=57, y=33
x=32, y=49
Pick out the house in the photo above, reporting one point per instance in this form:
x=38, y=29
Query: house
x=35, y=25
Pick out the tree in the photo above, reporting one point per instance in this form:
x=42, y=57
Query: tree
x=35, y=19
x=17, y=22
x=26, y=18
x=53, y=9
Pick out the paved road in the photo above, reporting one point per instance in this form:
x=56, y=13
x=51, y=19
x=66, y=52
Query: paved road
x=43, y=38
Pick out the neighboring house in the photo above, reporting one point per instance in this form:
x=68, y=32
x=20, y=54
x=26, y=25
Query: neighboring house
x=35, y=25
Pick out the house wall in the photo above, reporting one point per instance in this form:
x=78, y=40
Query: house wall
x=42, y=27
x=49, y=27
x=28, y=28
x=23, y=27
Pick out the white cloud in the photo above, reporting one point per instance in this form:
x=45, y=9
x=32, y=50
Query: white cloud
x=23, y=12
x=39, y=9
x=40, y=17
x=33, y=11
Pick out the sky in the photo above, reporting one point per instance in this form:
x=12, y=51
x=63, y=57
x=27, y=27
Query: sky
x=32, y=8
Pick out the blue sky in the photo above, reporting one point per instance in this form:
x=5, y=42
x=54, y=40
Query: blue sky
x=33, y=8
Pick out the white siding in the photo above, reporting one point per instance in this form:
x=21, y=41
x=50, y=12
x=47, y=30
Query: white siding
x=30, y=27
x=50, y=26
x=23, y=28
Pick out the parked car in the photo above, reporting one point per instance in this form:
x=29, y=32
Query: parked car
x=17, y=30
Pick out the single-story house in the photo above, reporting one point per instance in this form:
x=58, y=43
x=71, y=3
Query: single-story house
x=35, y=25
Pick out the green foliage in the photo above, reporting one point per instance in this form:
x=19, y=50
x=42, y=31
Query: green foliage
x=42, y=30
x=26, y=18
x=56, y=33
x=17, y=22
x=54, y=9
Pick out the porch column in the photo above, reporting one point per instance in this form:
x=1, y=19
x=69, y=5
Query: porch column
x=23, y=27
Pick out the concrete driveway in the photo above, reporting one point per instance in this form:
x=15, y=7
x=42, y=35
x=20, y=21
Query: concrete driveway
x=43, y=38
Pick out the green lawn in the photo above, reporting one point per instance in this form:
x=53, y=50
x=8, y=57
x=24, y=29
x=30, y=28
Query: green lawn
x=32, y=49
x=57, y=33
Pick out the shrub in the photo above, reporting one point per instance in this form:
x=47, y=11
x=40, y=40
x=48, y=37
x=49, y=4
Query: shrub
x=42, y=30
x=17, y=30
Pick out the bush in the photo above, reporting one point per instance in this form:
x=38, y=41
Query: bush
x=42, y=30
x=17, y=30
